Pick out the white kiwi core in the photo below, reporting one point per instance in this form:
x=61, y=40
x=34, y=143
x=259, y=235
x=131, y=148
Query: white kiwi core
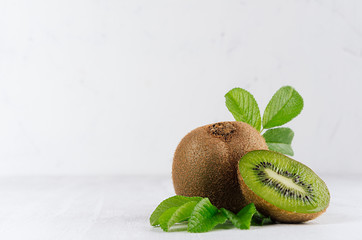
x=287, y=182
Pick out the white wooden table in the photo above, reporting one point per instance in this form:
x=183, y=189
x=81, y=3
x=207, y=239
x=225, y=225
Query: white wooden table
x=119, y=208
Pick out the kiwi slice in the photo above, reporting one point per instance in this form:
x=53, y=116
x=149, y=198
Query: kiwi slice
x=282, y=188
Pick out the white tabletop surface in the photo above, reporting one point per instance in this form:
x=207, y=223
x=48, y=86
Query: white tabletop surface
x=119, y=208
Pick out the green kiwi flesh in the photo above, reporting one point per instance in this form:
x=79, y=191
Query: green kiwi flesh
x=281, y=187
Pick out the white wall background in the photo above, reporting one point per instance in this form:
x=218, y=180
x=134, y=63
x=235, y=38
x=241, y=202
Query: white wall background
x=110, y=87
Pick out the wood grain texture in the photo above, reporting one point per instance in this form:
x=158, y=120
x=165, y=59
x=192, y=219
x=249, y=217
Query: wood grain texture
x=107, y=208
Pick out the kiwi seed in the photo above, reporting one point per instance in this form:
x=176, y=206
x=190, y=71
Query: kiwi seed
x=206, y=161
x=281, y=187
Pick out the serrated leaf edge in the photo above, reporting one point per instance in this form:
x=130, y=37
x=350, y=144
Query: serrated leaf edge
x=258, y=123
x=180, y=200
x=291, y=94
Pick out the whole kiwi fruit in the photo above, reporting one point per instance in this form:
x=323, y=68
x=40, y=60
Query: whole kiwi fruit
x=282, y=188
x=206, y=160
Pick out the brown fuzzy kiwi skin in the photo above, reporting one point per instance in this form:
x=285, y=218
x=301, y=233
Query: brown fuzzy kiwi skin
x=272, y=211
x=206, y=161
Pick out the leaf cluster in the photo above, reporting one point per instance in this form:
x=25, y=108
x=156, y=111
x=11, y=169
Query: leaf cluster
x=285, y=105
x=201, y=216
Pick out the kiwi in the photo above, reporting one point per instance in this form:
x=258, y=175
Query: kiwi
x=282, y=188
x=206, y=161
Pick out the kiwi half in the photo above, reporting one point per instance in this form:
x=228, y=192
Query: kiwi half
x=206, y=161
x=282, y=188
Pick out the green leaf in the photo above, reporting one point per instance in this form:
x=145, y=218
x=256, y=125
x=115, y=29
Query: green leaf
x=285, y=105
x=174, y=201
x=176, y=214
x=243, y=107
x=165, y=217
x=279, y=140
x=204, y=217
x=281, y=147
x=242, y=219
x=260, y=220
x=279, y=135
